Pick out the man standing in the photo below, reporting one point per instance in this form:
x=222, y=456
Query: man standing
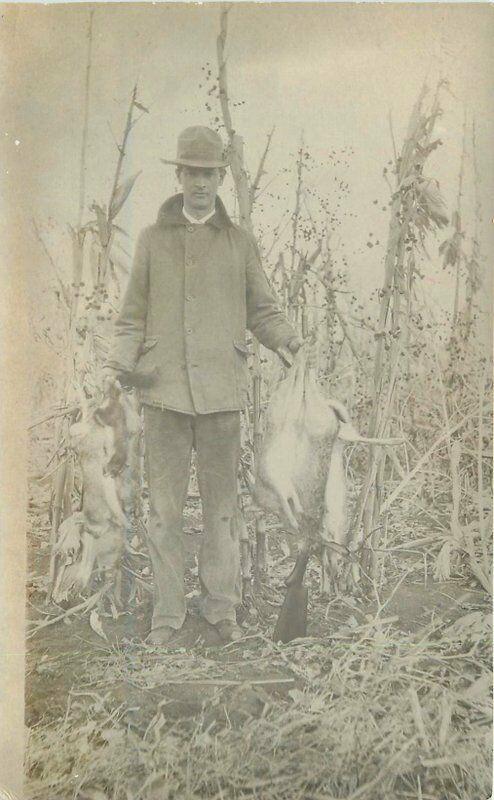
x=195, y=286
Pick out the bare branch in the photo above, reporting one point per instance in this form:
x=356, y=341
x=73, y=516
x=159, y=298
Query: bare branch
x=393, y=141
x=63, y=413
x=254, y=189
x=240, y=177
x=298, y=194
x=121, y=156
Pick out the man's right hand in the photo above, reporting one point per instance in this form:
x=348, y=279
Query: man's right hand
x=109, y=379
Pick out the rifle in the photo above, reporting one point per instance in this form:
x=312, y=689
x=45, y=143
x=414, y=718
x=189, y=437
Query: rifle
x=292, y=619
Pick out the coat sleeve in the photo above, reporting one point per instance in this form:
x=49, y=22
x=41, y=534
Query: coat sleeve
x=130, y=325
x=265, y=319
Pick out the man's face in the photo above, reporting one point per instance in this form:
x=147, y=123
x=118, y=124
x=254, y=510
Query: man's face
x=200, y=186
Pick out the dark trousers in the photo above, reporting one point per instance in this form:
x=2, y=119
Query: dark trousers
x=169, y=439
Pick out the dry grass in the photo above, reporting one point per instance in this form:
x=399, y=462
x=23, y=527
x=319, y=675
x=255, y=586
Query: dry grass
x=373, y=715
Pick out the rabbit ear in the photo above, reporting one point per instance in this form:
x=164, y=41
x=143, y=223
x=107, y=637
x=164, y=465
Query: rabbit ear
x=339, y=409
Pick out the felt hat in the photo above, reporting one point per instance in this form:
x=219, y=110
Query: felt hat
x=199, y=146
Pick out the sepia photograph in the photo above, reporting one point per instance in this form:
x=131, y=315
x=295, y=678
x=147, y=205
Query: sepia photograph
x=247, y=334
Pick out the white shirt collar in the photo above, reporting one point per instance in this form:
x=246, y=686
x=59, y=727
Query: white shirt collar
x=198, y=221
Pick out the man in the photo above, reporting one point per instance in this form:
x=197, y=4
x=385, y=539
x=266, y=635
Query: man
x=195, y=286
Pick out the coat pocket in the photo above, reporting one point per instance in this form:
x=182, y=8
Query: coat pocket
x=148, y=344
x=146, y=371
x=241, y=348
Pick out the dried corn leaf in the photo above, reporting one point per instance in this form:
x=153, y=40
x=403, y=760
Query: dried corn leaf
x=442, y=567
x=121, y=194
x=95, y=622
x=104, y=228
x=432, y=202
x=141, y=107
x=450, y=251
x=424, y=152
x=445, y=723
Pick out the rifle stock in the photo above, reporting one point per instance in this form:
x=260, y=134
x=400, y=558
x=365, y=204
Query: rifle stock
x=292, y=619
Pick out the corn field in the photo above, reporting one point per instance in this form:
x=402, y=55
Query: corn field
x=389, y=695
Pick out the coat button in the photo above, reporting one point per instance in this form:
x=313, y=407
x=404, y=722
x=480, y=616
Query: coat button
x=189, y=330
x=189, y=297
x=190, y=228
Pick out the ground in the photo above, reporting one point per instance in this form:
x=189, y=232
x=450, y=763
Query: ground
x=60, y=658
x=387, y=697
x=83, y=688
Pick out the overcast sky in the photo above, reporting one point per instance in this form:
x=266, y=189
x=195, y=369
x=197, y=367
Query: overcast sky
x=335, y=72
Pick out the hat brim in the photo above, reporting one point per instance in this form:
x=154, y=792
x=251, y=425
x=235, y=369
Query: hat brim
x=203, y=164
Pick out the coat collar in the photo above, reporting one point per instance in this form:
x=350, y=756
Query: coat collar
x=170, y=213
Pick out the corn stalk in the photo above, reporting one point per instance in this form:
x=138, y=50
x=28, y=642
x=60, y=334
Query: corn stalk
x=246, y=194
x=473, y=268
x=85, y=124
x=63, y=482
x=297, y=277
x=452, y=248
x=416, y=208
x=458, y=229
x=84, y=331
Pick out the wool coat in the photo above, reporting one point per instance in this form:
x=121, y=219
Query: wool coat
x=193, y=292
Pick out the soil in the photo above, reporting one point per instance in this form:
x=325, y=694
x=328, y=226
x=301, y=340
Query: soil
x=67, y=661
x=60, y=656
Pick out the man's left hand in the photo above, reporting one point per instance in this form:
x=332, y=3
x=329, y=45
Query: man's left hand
x=295, y=344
